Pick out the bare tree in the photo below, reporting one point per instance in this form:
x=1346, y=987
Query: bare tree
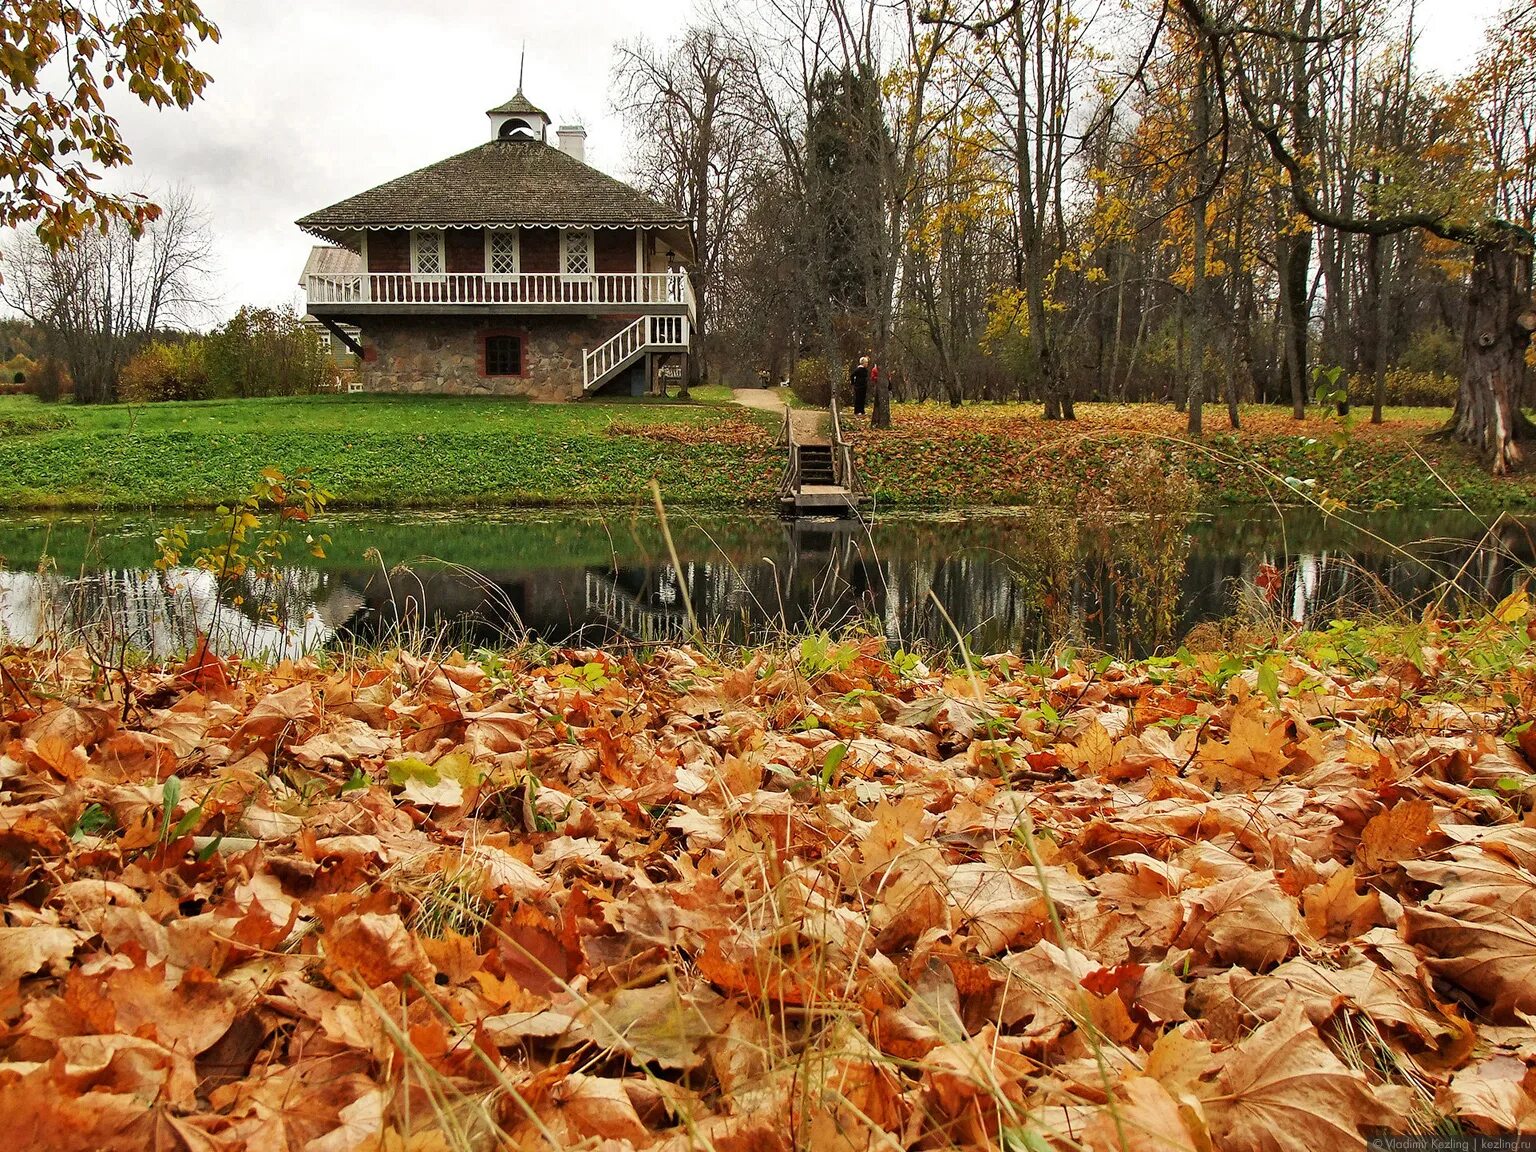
x=1500, y=315
x=846, y=88
x=686, y=107
x=98, y=298
x=1028, y=63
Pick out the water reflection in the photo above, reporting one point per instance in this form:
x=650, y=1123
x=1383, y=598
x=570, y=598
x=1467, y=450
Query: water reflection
x=1018, y=582
x=163, y=613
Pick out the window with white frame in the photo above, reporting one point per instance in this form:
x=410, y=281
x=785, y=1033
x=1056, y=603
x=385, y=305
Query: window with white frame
x=503, y=252
x=578, y=251
x=427, y=247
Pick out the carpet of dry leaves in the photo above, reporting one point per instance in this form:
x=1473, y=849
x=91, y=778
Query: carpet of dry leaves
x=611, y=903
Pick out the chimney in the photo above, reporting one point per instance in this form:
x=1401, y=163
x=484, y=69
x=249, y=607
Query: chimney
x=573, y=141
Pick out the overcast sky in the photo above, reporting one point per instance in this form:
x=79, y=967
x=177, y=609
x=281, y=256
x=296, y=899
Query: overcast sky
x=315, y=101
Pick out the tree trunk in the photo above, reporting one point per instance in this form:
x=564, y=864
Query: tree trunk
x=880, y=416
x=1500, y=318
x=1295, y=258
x=1198, y=206
x=692, y=373
x=1376, y=336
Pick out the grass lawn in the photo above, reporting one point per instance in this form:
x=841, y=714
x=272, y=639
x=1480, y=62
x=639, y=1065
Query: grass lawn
x=445, y=452
x=383, y=451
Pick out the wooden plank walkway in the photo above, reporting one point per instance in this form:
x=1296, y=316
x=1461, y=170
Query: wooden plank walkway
x=819, y=477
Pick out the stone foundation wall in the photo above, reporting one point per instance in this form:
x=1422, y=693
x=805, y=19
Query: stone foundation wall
x=445, y=354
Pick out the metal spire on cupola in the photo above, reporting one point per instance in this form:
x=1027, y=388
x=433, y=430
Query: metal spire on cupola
x=519, y=118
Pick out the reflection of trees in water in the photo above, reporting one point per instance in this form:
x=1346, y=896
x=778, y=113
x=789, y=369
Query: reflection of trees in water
x=163, y=613
x=1312, y=587
x=1113, y=583
x=1023, y=582
x=1024, y=593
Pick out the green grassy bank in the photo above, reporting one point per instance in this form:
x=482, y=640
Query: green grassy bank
x=383, y=452
x=450, y=452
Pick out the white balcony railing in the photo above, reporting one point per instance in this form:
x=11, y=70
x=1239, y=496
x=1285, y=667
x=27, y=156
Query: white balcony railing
x=471, y=288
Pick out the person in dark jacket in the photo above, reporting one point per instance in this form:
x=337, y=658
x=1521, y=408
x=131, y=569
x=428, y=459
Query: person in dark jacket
x=860, y=385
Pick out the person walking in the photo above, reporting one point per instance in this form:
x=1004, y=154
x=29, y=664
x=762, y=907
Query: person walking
x=860, y=385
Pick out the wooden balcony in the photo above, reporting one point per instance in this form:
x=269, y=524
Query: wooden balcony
x=359, y=293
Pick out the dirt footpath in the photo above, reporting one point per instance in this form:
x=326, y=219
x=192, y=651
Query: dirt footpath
x=808, y=423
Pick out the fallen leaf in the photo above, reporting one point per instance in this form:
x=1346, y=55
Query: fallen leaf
x=1283, y=1090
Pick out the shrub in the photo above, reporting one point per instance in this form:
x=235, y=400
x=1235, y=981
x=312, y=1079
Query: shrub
x=163, y=372
x=1410, y=388
x=17, y=369
x=1433, y=349
x=812, y=381
x=268, y=352
x=50, y=381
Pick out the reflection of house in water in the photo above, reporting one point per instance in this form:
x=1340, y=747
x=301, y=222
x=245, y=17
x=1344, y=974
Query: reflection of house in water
x=627, y=613
x=648, y=604
x=163, y=613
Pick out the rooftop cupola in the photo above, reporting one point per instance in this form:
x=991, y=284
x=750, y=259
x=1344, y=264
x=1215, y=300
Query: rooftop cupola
x=518, y=119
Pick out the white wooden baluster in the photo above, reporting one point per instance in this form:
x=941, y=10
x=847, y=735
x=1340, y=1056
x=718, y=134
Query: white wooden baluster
x=613, y=288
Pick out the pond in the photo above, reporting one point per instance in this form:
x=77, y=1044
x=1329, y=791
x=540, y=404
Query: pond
x=1017, y=581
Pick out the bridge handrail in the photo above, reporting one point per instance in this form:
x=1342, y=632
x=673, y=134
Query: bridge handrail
x=843, y=469
x=790, y=484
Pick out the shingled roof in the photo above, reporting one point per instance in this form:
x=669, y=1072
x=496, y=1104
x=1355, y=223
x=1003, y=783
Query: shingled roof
x=326, y=260
x=502, y=182
x=519, y=105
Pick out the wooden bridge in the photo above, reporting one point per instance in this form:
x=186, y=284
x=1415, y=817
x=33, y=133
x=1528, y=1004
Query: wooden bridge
x=819, y=478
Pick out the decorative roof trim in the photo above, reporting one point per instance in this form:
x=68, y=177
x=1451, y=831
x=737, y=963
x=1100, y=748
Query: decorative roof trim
x=653, y=224
x=325, y=232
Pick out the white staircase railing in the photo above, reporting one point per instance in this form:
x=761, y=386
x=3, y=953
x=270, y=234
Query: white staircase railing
x=608, y=357
x=647, y=334
x=668, y=332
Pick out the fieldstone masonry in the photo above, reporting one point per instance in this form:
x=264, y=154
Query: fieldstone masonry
x=444, y=354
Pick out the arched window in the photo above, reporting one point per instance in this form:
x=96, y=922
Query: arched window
x=515, y=129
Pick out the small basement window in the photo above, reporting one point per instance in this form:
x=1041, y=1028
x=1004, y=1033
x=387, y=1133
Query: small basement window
x=503, y=356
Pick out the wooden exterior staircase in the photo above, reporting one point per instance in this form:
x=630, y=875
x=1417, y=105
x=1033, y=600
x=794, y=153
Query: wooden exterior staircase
x=648, y=334
x=820, y=478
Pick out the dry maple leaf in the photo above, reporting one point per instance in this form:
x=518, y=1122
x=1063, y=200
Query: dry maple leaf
x=1399, y=833
x=1335, y=911
x=968, y=1081
x=373, y=949
x=279, y=712
x=592, y=1106
x=1254, y=752
x=662, y=1025
x=1389, y=998
x=1493, y=1096
x=24, y=951
x=1145, y=1118
x=1476, y=875
x=1283, y=1090
x=1247, y=920
x=1486, y=951
x=1179, y=1059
